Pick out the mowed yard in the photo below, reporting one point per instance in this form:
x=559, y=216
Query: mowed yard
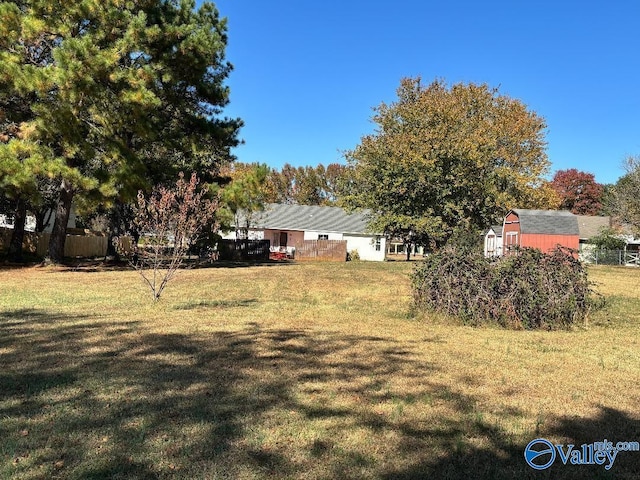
x=310, y=371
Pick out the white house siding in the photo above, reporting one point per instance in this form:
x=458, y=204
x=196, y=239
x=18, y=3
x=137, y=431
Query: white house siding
x=492, y=244
x=6, y=221
x=228, y=235
x=312, y=235
x=255, y=234
x=251, y=235
x=48, y=228
x=366, y=246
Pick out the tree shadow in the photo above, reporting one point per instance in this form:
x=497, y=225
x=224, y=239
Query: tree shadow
x=504, y=458
x=245, y=264
x=106, y=399
x=195, y=304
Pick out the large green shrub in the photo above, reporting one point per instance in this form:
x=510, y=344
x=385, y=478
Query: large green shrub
x=608, y=239
x=528, y=290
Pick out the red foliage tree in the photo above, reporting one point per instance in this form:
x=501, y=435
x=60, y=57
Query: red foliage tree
x=168, y=222
x=578, y=191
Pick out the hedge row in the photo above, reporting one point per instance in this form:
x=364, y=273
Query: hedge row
x=528, y=289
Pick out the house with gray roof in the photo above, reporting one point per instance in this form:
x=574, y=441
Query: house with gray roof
x=590, y=226
x=289, y=226
x=541, y=229
x=546, y=229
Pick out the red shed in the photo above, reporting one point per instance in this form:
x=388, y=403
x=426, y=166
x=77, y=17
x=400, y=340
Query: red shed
x=541, y=229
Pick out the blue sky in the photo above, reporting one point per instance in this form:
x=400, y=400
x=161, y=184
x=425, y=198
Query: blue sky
x=308, y=73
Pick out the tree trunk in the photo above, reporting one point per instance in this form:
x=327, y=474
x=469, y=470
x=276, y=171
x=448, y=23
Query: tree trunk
x=59, y=232
x=43, y=216
x=408, y=246
x=17, y=236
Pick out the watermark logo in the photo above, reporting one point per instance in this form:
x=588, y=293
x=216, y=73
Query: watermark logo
x=541, y=453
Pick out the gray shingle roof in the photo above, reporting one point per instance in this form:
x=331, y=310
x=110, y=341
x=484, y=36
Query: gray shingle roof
x=590, y=226
x=497, y=230
x=551, y=222
x=278, y=216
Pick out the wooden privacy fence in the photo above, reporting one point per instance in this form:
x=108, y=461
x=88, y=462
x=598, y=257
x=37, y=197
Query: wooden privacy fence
x=322, y=250
x=89, y=244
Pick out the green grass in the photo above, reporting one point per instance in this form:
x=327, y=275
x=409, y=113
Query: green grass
x=314, y=371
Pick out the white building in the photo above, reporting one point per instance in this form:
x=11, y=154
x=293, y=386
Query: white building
x=288, y=226
x=493, y=241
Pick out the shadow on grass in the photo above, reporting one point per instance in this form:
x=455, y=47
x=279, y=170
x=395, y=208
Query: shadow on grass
x=91, y=266
x=195, y=304
x=244, y=264
x=92, y=399
x=505, y=458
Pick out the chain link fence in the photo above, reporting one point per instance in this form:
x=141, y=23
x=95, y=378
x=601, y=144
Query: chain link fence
x=611, y=257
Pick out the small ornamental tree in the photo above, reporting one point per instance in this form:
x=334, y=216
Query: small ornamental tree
x=166, y=225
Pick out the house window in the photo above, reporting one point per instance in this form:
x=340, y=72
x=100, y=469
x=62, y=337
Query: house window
x=323, y=236
x=378, y=244
x=512, y=239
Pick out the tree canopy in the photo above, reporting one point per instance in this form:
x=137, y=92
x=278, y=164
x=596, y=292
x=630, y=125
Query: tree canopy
x=243, y=195
x=307, y=185
x=578, y=191
x=625, y=196
x=110, y=94
x=444, y=159
x=608, y=239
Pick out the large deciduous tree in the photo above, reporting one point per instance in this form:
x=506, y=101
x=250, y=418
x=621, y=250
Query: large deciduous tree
x=578, y=191
x=110, y=86
x=446, y=159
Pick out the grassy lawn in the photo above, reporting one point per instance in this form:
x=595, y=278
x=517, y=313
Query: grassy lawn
x=314, y=371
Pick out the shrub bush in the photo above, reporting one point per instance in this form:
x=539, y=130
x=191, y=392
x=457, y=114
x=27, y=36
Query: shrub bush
x=353, y=256
x=529, y=290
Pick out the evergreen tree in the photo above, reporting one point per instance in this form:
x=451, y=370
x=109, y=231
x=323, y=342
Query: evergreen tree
x=116, y=91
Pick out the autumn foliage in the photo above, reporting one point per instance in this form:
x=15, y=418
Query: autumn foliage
x=578, y=191
x=167, y=224
x=446, y=159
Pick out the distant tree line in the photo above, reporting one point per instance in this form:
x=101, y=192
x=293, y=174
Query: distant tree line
x=307, y=185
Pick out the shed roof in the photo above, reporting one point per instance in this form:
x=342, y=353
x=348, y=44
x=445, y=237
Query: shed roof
x=497, y=230
x=278, y=216
x=590, y=226
x=550, y=222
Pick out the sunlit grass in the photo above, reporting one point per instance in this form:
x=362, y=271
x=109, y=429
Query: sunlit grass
x=298, y=371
